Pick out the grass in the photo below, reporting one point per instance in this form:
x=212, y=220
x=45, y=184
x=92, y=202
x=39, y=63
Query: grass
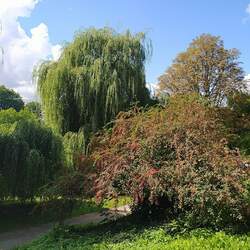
x=16, y=215
x=127, y=235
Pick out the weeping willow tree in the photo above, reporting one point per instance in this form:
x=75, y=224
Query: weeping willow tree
x=74, y=148
x=99, y=74
x=30, y=155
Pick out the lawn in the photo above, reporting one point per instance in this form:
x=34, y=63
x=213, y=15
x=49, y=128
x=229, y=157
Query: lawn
x=127, y=235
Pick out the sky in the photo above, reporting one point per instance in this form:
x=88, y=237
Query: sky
x=36, y=30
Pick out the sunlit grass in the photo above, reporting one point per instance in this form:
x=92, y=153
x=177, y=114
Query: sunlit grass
x=123, y=236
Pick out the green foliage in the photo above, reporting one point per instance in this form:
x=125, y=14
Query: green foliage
x=243, y=142
x=99, y=74
x=247, y=192
x=174, y=161
x=236, y=118
x=30, y=154
x=35, y=108
x=74, y=145
x=73, y=184
x=10, y=99
x=240, y=103
x=125, y=236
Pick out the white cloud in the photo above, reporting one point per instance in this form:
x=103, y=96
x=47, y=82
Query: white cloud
x=248, y=9
x=247, y=78
x=246, y=18
x=152, y=87
x=56, y=52
x=21, y=51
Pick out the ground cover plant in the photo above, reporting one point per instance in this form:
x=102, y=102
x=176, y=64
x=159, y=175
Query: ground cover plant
x=124, y=234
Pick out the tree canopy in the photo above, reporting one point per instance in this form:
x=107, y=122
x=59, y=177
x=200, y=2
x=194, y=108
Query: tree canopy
x=30, y=154
x=10, y=99
x=207, y=68
x=35, y=108
x=99, y=74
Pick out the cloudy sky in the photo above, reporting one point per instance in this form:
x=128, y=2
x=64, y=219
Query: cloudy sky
x=35, y=30
x=22, y=49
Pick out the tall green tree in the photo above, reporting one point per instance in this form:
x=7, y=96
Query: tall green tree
x=30, y=154
x=99, y=74
x=207, y=68
x=10, y=99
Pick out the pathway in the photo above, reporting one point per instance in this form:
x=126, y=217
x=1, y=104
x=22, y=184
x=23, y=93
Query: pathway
x=9, y=240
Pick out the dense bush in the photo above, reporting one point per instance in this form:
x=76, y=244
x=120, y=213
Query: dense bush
x=30, y=154
x=173, y=158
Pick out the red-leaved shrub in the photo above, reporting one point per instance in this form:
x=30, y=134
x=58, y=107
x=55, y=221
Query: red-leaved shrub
x=174, y=158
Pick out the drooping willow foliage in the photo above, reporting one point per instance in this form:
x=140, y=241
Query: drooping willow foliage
x=30, y=154
x=99, y=74
x=74, y=147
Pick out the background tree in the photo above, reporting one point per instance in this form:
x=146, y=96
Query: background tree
x=35, y=108
x=30, y=154
x=10, y=99
x=207, y=68
x=99, y=74
x=74, y=148
x=240, y=103
x=237, y=119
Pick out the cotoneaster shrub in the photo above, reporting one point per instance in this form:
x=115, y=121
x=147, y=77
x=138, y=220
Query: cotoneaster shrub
x=175, y=159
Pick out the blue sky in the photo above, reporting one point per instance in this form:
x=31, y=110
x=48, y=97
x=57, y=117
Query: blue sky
x=170, y=24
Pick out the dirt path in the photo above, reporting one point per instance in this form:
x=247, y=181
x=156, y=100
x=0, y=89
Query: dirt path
x=11, y=239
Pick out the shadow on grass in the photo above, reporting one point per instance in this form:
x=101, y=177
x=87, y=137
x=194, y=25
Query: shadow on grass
x=129, y=231
x=17, y=215
x=125, y=228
